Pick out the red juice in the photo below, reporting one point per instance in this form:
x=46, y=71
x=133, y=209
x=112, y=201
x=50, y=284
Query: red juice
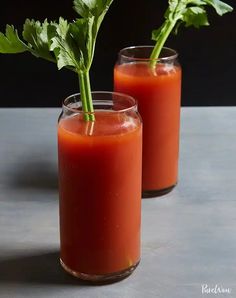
x=158, y=94
x=100, y=192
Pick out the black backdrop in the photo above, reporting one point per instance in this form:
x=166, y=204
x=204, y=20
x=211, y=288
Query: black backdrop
x=208, y=55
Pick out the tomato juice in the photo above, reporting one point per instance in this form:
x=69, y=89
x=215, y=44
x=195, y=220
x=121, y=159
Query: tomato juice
x=100, y=192
x=158, y=94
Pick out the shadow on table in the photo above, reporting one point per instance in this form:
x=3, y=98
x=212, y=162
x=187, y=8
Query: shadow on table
x=35, y=175
x=35, y=170
x=41, y=268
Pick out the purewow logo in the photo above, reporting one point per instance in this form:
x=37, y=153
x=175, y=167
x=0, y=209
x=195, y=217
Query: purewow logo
x=217, y=289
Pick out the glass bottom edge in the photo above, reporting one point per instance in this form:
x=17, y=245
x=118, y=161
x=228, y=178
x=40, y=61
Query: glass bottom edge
x=157, y=192
x=100, y=278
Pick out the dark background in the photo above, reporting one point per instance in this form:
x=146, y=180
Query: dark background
x=208, y=55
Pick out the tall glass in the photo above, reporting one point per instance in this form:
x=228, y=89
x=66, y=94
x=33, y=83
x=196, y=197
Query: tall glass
x=100, y=187
x=158, y=92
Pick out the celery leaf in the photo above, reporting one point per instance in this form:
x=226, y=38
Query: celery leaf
x=39, y=37
x=195, y=16
x=74, y=43
x=220, y=7
x=10, y=43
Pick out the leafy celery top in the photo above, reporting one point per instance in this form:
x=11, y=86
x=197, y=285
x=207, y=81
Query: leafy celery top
x=187, y=12
x=70, y=45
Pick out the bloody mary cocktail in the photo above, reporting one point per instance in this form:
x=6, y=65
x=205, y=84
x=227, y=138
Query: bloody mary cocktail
x=158, y=93
x=100, y=188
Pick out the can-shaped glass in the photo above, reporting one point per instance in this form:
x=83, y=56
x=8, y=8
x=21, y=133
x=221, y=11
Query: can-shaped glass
x=100, y=187
x=157, y=90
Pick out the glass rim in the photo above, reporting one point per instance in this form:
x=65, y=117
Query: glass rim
x=172, y=56
x=132, y=100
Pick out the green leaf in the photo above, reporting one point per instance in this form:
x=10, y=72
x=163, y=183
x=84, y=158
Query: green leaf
x=10, y=43
x=39, y=37
x=187, y=12
x=62, y=45
x=74, y=43
x=220, y=7
x=87, y=8
x=195, y=16
x=70, y=45
x=93, y=8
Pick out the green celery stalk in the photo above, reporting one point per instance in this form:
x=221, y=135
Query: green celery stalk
x=187, y=12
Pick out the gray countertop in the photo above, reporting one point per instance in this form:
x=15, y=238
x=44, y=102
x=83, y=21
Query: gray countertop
x=188, y=236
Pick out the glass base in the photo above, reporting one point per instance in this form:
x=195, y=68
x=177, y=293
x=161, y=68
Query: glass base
x=158, y=192
x=101, y=278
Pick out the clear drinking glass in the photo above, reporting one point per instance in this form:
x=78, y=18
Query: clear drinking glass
x=100, y=187
x=158, y=93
